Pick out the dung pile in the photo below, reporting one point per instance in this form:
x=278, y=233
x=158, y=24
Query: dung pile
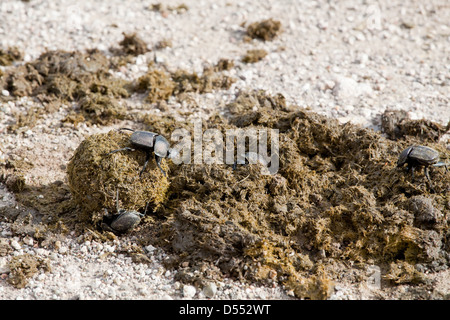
x=397, y=124
x=337, y=197
x=158, y=84
x=94, y=177
x=66, y=75
x=60, y=76
x=101, y=109
x=208, y=81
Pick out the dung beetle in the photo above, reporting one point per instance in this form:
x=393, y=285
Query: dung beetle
x=148, y=142
x=420, y=156
x=126, y=220
x=123, y=220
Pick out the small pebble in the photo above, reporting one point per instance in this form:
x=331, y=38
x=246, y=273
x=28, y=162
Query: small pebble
x=209, y=290
x=189, y=291
x=3, y=266
x=15, y=245
x=62, y=250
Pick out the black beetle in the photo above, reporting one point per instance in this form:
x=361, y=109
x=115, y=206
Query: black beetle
x=148, y=142
x=123, y=220
x=418, y=156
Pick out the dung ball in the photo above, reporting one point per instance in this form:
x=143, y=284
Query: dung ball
x=94, y=176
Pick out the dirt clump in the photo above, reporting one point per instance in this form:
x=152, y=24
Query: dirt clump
x=51, y=201
x=157, y=84
x=133, y=45
x=22, y=80
x=208, y=81
x=224, y=64
x=8, y=56
x=94, y=177
x=397, y=125
x=25, y=119
x=101, y=109
x=23, y=267
x=426, y=214
x=14, y=182
x=164, y=43
x=5, y=247
x=265, y=30
x=402, y=272
x=166, y=9
x=254, y=55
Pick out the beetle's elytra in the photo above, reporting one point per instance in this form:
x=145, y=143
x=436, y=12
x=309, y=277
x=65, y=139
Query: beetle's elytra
x=123, y=220
x=148, y=142
x=126, y=220
x=418, y=156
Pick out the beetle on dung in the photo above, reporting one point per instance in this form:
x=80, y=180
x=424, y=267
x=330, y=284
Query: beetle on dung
x=123, y=220
x=148, y=142
x=420, y=156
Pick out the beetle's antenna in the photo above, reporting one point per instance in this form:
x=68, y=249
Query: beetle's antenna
x=126, y=129
x=146, y=207
x=117, y=200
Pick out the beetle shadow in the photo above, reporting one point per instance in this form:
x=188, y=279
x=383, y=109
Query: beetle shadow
x=37, y=209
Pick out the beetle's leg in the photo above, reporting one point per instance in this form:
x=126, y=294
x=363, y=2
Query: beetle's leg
x=122, y=149
x=158, y=163
x=429, y=180
x=146, y=207
x=412, y=172
x=117, y=201
x=441, y=164
x=145, y=163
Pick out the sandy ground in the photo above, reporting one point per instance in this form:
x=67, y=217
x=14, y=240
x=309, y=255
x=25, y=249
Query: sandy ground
x=350, y=60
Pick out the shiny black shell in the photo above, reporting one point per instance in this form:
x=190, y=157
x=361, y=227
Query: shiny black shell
x=126, y=221
x=143, y=139
x=418, y=155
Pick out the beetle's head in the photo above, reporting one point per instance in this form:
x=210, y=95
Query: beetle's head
x=161, y=147
x=403, y=157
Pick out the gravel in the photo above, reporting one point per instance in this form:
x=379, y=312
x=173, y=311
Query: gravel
x=350, y=60
x=93, y=270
